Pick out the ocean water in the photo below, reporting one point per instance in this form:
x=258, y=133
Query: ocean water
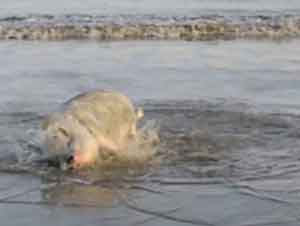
x=142, y=7
x=227, y=108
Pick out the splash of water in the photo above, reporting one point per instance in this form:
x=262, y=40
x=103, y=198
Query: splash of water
x=31, y=150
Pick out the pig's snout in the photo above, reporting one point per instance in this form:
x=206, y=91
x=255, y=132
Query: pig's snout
x=81, y=159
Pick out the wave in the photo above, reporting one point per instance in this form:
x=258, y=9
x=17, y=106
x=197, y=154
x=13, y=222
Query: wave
x=150, y=27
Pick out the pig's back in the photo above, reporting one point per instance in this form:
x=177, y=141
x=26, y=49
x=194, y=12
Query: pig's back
x=102, y=112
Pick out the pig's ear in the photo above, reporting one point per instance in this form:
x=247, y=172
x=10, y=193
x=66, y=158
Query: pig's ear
x=63, y=131
x=46, y=122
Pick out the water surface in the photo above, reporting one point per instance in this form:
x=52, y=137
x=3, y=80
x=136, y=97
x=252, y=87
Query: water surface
x=229, y=130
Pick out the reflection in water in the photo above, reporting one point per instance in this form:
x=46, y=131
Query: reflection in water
x=80, y=194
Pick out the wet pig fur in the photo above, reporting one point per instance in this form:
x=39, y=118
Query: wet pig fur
x=91, y=123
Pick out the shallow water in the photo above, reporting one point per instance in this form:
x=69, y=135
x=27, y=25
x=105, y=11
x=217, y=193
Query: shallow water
x=229, y=129
x=259, y=73
x=141, y=7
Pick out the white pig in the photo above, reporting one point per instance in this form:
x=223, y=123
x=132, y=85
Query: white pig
x=91, y=123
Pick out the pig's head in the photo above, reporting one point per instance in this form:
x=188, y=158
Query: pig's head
x=65, y=136
x=84, y=147
x=57, y=135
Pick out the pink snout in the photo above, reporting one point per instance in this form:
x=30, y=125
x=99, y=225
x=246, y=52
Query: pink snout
x=80, y=160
